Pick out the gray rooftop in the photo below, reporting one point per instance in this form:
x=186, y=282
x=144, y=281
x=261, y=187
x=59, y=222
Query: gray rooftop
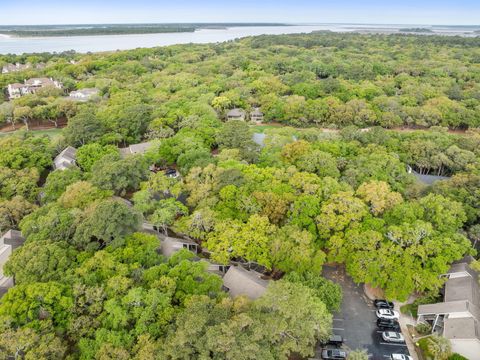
x=462, y=288
x=461, y=328
x=256, y=112
x=239, y=281
x=170, y=245
x=68, y=153
x=13, y=238
x=136, y=149
x=236, y=112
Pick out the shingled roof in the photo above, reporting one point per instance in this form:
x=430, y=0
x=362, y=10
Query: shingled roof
x=239, y=281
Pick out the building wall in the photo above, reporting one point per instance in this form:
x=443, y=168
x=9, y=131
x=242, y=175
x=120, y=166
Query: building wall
x=458, y=275
x=469, y=348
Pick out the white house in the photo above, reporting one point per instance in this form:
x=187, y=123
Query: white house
x=66, y=159
x=31, y=86
x=84, y=94
x=457, y=318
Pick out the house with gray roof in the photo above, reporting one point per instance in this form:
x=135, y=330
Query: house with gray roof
x=136, y=149
x=256, y=115
x=9, y=241
x=170, y=245
x=457, y=318
x=236, y=114
x=13, y=238
x=9, y=68
x=239, y=281
x=66, y=159
x=84, y=94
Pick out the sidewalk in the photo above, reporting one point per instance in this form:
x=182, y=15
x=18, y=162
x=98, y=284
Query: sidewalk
x=405, y=320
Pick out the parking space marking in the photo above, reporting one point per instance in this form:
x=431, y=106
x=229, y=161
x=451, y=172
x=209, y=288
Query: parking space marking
x=337, y=319
x=393, y=344
x=338, y=329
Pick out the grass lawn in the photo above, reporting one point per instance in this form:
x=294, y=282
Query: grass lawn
x=53, y=133
x=262, y=128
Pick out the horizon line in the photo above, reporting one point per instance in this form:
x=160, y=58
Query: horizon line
x=246, y=22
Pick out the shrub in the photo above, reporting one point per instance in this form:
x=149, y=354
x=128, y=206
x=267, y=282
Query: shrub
x=423, y=328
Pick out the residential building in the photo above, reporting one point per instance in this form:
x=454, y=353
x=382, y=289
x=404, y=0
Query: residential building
x=236, y=114
x=215, y=268
x=9, y=241
x=170, y=245
x=135, y=149
x=13, y=238
x=256, y=115
x=239, y=281
x=66, y=159
x=9, y=68
x=457, y=318
x=84, y=94
x=31, y=86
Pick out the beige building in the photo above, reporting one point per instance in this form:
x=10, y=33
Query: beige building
x=9, y=241
x=236, y=114
x=31, y=86
x=239, y=281
x=457, y=318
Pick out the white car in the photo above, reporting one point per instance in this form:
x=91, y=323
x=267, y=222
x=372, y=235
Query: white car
x=393, y=337
x=401, y=357
x=387, y=314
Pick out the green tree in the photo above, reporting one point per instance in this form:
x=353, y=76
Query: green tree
x=13, y=211
x=32, y=304
x=83, y=128
x=89, y=154
x=103, y=222
x=40, y=261
x=58, y=181
x=237, y=135
x=119, y=175
x=166, y=211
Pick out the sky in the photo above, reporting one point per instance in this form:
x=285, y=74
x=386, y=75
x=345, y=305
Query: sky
x=434, y=12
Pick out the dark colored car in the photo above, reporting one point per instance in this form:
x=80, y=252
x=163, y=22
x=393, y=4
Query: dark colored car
x=383, y=304
x=335, y=354
x=388, y=324
x=335, y=340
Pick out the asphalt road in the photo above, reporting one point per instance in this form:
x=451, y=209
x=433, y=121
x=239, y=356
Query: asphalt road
x=356, y=321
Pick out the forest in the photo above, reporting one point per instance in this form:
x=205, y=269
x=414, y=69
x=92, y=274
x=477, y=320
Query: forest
x=329, y=184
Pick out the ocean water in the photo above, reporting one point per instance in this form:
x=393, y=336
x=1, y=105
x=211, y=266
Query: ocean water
x=83, y=44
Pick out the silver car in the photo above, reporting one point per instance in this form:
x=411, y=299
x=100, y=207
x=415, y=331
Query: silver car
x=393, y=337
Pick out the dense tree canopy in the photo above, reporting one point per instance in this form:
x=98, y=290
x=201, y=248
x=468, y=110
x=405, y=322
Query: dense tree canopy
x=90, y=286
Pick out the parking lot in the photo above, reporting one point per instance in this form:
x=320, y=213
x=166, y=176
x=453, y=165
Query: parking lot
x=356, y=321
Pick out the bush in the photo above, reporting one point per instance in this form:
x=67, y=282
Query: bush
x=435, y=348
x=457, y=357
x=423, y=328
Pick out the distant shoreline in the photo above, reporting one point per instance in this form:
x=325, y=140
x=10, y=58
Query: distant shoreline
x=120, y=29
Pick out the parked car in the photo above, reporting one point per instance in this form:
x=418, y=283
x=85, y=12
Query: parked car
x=383, y=304
x=387, y=314
x=335, y=340
x=335, y=354
x=401, y=357
x=393, y=337
x=388, y=324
